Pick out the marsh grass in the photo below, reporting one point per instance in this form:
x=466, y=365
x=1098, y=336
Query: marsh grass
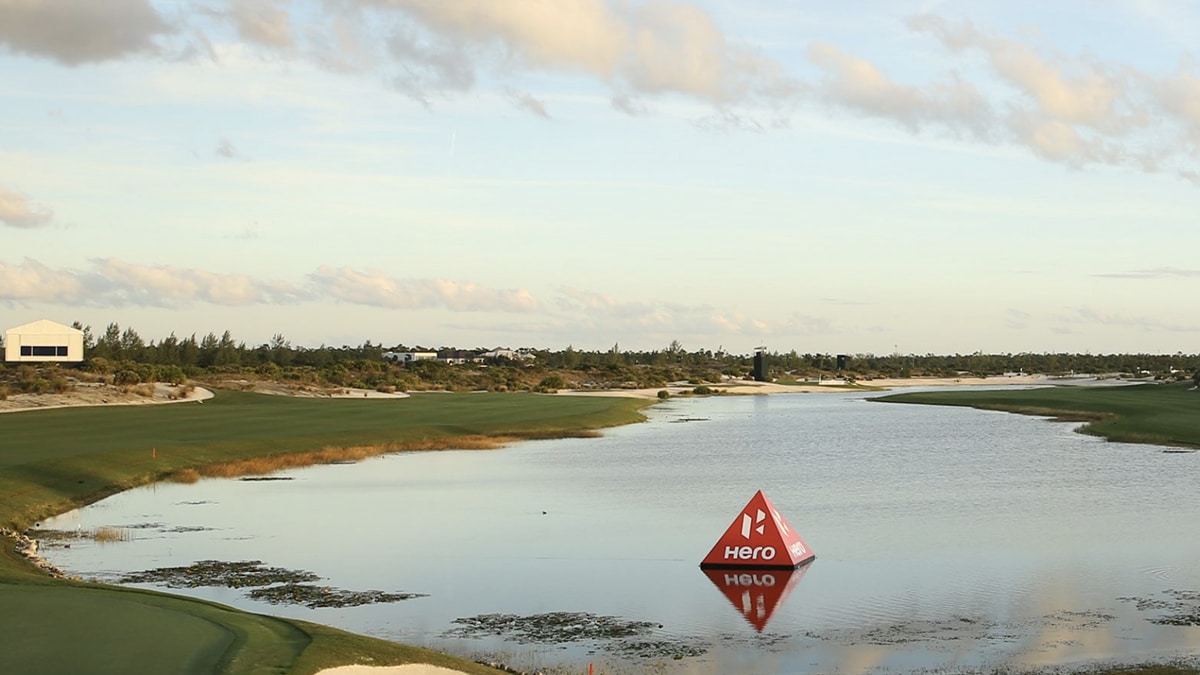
x=262, y=466
x=106, y=535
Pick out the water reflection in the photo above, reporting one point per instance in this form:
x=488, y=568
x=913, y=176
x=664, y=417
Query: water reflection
x=756, y=593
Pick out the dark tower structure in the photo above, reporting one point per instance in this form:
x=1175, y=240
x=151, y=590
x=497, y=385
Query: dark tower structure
x=842, y=360
x=760, y=364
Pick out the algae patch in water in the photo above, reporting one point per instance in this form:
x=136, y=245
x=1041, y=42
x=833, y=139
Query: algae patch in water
x=1176, y=608
x=275, y=585
x=613, y=634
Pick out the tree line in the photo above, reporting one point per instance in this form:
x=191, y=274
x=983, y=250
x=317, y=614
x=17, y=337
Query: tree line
x=122, y=356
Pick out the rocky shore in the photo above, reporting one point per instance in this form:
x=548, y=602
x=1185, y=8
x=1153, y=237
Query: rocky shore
x=27, y=548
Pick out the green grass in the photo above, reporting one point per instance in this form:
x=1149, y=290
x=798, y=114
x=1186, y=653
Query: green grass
x=54, y=460
x=1163, y=414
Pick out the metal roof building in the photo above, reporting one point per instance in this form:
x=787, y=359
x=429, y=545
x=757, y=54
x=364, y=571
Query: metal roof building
x=43, y=341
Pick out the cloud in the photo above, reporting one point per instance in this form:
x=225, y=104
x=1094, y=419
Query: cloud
x=1091, y=316
x=629, y=105
x=225, y=148
x=115, y=283
x=653, y=47
x=73, y=32
x=17, y=211
x=596, y=312
x=31, y=281
x=377, y=289
x=109, y=282
x=263, y=22
x=1078, y=110
x=528, y=103
x=856, y=83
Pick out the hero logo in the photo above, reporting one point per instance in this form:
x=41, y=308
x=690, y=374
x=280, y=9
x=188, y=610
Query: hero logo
x=750, y=552
x=754, y=523
x=751, y=524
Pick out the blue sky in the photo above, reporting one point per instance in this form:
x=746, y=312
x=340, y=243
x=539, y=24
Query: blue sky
x=921, y=177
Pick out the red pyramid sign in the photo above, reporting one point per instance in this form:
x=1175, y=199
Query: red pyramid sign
x=756, y=593
x=759, y=537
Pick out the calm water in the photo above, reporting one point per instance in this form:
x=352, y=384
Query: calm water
x=946, y=538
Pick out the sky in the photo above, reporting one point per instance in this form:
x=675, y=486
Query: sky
x=899, y=176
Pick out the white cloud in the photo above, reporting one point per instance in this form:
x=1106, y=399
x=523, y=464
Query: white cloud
x=31, y=281
x=653, y=47
x=17, y=211
x=378, y=289
x=856, y=83
x=109, y=282
x=661, y=321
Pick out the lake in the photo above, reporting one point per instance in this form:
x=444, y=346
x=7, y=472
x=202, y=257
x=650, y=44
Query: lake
x=947, y=539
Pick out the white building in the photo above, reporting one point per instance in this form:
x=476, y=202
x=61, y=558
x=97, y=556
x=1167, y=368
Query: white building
x=405, y=357
x=513, y=354
x=43, y=341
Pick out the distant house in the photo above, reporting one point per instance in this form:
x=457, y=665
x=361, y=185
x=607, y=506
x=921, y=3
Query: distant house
x=43, y=341
x=406, y=357
x=502, y=353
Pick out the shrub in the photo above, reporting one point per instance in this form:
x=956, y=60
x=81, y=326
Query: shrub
x=664, y=394
x=702, y=391
x=126, y=377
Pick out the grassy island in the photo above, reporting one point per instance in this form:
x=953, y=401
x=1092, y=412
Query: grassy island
x=55, y=460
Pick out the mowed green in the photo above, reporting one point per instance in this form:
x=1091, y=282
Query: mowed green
x=53, y=460
x=1163, y=414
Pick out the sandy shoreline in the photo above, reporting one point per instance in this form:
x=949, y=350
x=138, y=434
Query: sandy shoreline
x=830, y=387
x=99, y=394
x=408, y=669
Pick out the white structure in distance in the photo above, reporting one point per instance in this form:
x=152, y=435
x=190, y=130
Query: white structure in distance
x=43, y=341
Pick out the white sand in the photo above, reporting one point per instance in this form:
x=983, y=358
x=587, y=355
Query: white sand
x=94, y=395
x=752, y=387
x=410, y=669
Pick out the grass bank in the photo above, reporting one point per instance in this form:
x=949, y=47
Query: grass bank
x=1161, y=414
x=55, y=460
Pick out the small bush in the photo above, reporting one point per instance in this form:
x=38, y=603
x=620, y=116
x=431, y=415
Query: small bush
x=664, y=394
x=702, y=391
x=126, y=377
x=60, y=384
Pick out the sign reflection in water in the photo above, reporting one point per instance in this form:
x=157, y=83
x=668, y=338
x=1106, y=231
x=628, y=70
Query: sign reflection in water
x=756, y=593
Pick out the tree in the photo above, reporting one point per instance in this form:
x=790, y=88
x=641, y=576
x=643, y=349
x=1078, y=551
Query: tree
x=89, y=340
